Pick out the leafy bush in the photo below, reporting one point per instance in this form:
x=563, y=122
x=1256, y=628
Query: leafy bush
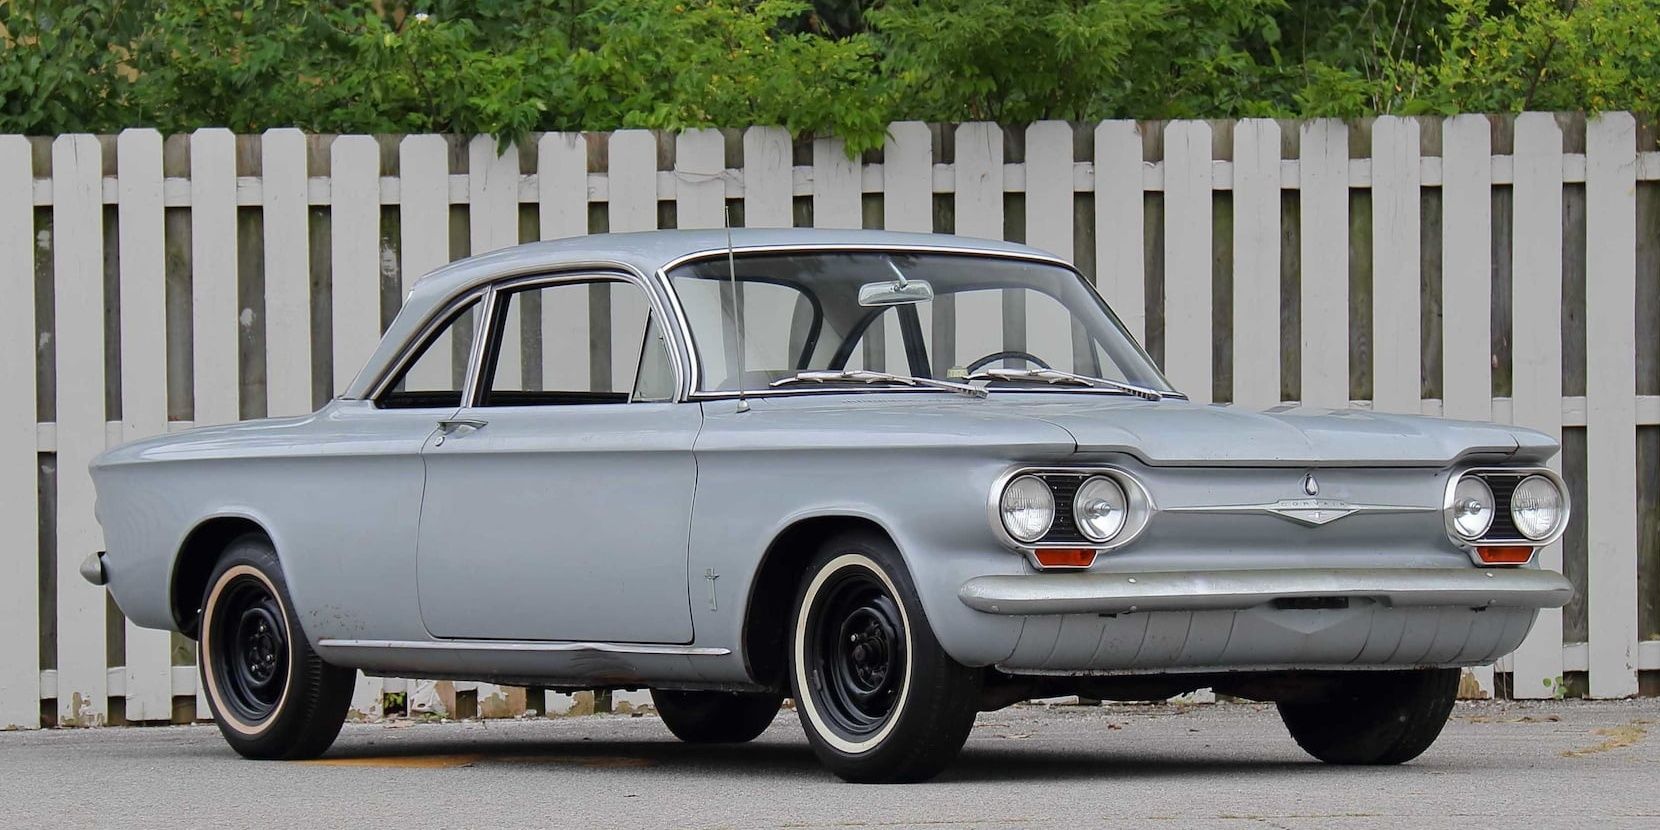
x=843, y=67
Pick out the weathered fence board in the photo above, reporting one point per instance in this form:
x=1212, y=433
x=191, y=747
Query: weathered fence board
x=1537, y=352
x=19, y=461
x=1187, y=240
x=1262, y=259
x=1610, y=401
x=143, y=382
x=78, y=341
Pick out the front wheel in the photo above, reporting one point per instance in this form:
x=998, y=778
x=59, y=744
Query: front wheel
x=271, y=695
x=1384, y=717
x=880, y=701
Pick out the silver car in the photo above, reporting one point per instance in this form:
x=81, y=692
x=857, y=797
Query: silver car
x=901, y=479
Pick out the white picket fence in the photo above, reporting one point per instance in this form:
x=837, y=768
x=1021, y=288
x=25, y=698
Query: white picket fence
x=95, y=314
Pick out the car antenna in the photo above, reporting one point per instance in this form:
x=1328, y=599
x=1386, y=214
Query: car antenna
x=737, y=309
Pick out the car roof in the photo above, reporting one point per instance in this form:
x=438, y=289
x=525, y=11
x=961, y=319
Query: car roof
x=644, y=252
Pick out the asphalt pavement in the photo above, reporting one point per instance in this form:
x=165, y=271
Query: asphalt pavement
x=1498, y=765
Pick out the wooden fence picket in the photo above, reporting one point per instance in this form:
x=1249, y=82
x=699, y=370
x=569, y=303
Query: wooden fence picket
x=768, y=178
x=1536, y=336
x=1187, y=253
x=143, y=382
x=978, y=208
x=1397, y=205
x=288, y=348
x=20, y=692
x=78, y=322
x=1610, y=401
x=836, y=186
x=1323, y=164
x=1256, y=263
x=1120, y=223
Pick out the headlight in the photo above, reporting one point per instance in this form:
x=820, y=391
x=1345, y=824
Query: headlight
x=1472, y=507
x=1100, y=509
x=1028, y=508
x=1536, y=507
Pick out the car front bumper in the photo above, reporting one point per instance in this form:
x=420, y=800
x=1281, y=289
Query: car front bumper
x=1121, y=593
x=1129, y=623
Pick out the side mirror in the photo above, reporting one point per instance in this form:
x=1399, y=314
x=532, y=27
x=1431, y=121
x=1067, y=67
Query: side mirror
x=906, y=292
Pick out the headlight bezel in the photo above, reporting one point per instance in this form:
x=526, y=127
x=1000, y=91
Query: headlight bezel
x=1502, y=531
x=1138, y=513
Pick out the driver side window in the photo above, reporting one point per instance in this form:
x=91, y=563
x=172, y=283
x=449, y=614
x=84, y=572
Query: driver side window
x=578, y=342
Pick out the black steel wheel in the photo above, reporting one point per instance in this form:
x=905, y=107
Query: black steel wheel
x=270, y=693
x=250, y=654
x=878, y=697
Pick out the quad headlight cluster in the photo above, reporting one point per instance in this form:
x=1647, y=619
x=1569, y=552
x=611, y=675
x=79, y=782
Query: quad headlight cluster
x=1096, y=509
x=1504, y=514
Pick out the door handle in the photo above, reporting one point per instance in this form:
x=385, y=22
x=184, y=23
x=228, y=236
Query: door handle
x=449, y=426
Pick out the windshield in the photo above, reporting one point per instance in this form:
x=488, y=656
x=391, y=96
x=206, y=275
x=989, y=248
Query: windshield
x=801, y=313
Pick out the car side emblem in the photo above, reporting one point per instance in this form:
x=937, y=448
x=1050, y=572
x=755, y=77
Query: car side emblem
x=1311, y=485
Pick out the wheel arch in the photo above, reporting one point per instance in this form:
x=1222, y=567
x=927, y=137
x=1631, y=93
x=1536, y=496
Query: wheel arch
x=195, y=560
x=772, y=591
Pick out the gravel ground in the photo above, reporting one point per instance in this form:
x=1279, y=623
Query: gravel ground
x=1541, y=765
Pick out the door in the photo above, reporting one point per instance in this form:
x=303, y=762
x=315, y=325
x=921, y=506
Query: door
x=558, y=502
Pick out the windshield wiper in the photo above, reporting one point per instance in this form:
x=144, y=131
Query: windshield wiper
x=1058, y=376
x=873, y=376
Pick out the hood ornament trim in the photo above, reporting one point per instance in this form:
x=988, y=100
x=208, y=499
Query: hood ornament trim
x=1311, y=485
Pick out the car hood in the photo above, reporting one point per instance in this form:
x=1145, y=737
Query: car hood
x=1170, y=432
x=1178, y=432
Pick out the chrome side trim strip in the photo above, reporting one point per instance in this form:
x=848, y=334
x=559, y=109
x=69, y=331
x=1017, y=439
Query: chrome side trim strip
x=527, y=646
x=1123, y=593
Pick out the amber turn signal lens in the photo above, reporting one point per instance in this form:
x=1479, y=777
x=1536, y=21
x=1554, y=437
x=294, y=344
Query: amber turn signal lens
x=1504, y=555
x=1065, y=557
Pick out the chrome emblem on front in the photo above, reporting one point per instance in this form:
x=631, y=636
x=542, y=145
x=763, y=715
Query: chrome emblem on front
x=1311, y=485
x=1312, y=512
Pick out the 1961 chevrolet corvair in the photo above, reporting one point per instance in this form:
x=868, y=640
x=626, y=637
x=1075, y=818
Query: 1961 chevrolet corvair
x=900, y=479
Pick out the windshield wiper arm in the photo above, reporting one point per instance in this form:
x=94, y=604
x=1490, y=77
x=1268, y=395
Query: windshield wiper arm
x=873, y=376
x=1058, y=376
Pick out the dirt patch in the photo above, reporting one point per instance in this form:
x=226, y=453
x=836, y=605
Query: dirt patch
x=1613, y=737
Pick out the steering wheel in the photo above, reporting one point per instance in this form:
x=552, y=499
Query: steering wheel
x=1012, y=354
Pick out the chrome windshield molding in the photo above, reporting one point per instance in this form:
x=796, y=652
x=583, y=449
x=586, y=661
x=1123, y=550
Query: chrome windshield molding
x=694, y=380
x=527, y=645
x=438, y=319
x=1141, y=509
x=1125, y=593
x=1518, y=541
x=1312, y=511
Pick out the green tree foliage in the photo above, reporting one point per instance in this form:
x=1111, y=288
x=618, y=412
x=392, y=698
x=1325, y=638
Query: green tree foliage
x=843, y=67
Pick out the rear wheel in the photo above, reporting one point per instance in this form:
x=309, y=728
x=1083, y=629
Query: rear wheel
x=1387, y=717
x=271, y=695
x=879, y=698
x=715, y=717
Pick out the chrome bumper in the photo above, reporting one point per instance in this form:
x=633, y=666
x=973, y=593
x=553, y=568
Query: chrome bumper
x=1120, y=593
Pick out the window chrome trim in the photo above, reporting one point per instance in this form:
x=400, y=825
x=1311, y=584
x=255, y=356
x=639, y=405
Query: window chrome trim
x=529, y=281
x=1141, y=509
x=418, y=342
x=679, y=349
x=693, y=379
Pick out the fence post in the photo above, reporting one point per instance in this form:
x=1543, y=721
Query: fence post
x=1187, y=265
x=1256, y=262
x=19, y=461
x=143, y=381
x=1611, y=402
x=1536, y=335
x=78, y=285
